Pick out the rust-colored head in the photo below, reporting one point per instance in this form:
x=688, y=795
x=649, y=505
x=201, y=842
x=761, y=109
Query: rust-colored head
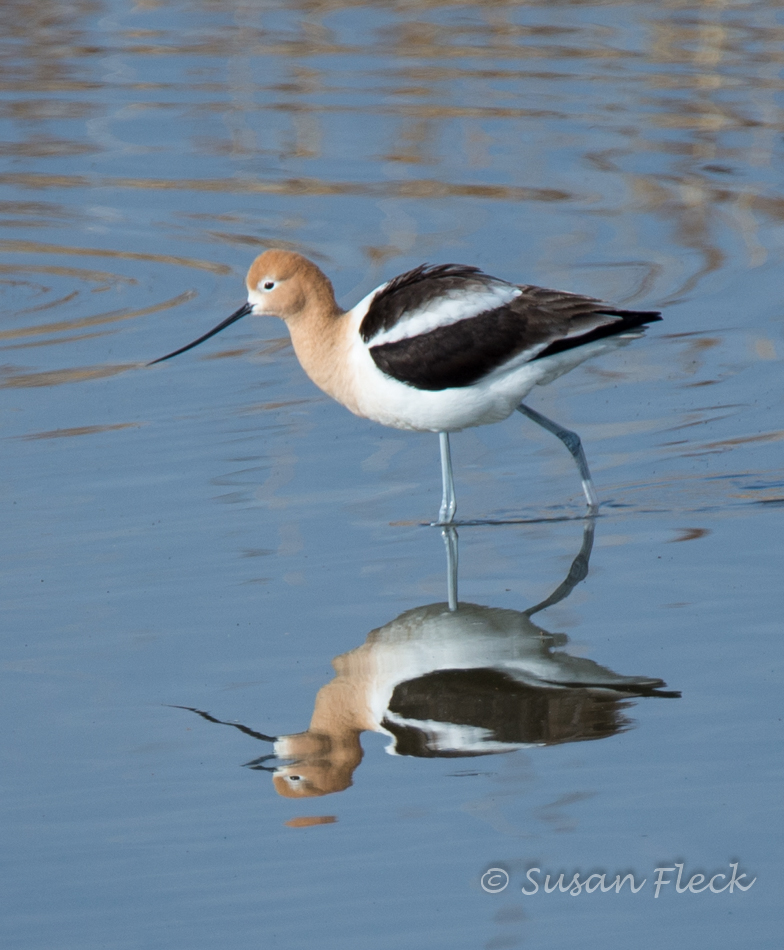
x=284, y=284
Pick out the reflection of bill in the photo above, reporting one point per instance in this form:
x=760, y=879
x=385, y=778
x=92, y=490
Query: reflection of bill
x=448, y=683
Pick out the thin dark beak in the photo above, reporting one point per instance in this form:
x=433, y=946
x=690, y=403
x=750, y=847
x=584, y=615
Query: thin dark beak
x=244, y=310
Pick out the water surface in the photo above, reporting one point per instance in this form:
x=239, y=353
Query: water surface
x=213, y=533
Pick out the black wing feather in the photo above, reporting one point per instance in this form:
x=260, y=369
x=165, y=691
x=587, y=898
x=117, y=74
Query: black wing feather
x=543, y=321
x=630, y=319
x=453, y=356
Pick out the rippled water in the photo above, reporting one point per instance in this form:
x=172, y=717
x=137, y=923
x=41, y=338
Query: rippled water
x=215, y=534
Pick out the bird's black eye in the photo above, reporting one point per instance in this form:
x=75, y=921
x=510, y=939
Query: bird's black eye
x=269, y=284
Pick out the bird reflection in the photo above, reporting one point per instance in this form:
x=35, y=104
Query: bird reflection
x=450, y=680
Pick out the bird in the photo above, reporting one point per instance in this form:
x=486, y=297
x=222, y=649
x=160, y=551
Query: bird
x=438, y=348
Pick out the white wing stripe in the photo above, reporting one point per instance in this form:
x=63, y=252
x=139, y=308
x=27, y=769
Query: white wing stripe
x=446, y=310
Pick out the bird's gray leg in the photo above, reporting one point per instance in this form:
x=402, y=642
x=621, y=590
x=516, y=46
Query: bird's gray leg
x=448, y=500
x=449, y=534
x=572, y=442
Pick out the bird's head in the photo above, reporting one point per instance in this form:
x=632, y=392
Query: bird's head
x=284, y=284
x=280, y=284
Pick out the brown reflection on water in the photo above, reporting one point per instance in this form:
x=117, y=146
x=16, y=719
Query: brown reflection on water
x=77, y=431
x=104, y=278
x=714, y=50
x=57, y=377
x=97, y=320
x=422, y=188
x=310, y=821
x=35, y=247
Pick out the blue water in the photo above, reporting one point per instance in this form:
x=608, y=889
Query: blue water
x=213, y=532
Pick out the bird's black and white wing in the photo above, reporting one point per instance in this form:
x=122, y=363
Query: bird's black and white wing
x=449, y=326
